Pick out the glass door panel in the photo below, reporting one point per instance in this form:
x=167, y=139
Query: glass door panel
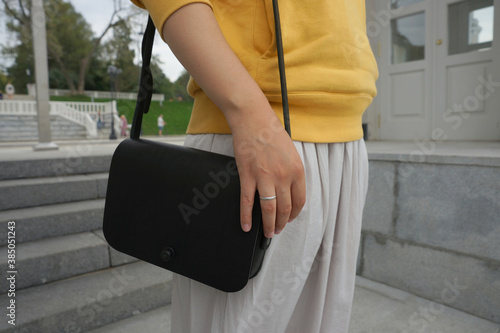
x=408, y=38
x=470, y=26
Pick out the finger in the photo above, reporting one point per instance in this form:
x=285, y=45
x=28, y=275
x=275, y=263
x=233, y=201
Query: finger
x=283, y=209
x=268, y=208
x=246, y=204
x=298, y=198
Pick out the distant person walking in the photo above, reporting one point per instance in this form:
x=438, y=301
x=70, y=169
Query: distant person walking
x=10, y=90
x=124, y=125
x=161, y=124
x=100, y=123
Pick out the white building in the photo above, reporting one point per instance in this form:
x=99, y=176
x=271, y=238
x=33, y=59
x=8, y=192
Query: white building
x=439, y=69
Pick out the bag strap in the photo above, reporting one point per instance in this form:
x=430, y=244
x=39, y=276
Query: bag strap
x=281, y=65
x=146, y=82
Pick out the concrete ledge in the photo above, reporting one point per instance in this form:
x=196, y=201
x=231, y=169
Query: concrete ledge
x=381, y=198
x=454, y=279
x=432, y=215
x=452, y=207
x=453, y=152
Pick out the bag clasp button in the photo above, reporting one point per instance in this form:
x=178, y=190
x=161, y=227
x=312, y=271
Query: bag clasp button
x=167, y=254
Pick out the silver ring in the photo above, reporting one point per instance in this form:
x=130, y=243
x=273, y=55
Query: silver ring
x=267, y=198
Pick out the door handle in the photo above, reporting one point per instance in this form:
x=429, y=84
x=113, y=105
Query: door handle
x=439, y=42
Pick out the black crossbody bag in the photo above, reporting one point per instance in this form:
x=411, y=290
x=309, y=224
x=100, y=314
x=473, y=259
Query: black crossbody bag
x=178, y=207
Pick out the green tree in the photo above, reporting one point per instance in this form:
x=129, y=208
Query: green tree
x=180, y=87
x=22, y=69
x=161, y=83
x=70, y=41
x=97, y=77
x=118, y=53
x=3, y=80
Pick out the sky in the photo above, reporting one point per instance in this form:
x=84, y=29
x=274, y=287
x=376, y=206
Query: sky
x=485, y=18
x=98, y=13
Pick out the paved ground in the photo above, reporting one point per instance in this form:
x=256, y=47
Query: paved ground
x=377, y=308
x=378, y=149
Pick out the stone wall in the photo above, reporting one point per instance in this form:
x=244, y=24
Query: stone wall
x=433, y=229
x=25, y=128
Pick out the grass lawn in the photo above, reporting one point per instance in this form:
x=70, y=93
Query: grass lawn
x=176, y=114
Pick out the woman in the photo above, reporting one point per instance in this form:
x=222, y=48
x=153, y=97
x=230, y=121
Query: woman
x=306, y=283
x=124, y=126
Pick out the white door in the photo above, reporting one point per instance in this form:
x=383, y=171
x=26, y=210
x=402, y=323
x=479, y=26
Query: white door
x=439, y=69
x=467, y=87
x=405, y=89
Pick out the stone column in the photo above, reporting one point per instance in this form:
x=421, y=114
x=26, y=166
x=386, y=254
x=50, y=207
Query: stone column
x=42, y=76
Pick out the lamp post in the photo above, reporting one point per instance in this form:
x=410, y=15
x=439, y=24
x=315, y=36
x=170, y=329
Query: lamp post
x=113, y=73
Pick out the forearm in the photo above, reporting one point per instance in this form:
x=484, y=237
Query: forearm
x=265, y=155
x=197, y=41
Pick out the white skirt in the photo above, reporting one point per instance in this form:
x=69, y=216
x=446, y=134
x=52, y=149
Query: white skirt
x=306, y=282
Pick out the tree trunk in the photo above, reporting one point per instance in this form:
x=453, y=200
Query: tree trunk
x=83, y=72
x=85, y=61
x=63, y=69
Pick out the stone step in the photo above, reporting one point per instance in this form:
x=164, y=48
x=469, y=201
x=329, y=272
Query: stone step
x=43, y=222
x=24, y=127
x=116, y=258
x=23, y=134
x=54, y=259
x=89, y=301
x=20, y=193
x=157, y=320
x=82, y=159
x=18, y=137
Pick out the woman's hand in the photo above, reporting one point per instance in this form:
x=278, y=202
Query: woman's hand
x=266, y=156
x=269, y=163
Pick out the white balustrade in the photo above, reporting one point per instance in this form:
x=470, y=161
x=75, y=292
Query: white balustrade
x=82, y=113
x=106, y=94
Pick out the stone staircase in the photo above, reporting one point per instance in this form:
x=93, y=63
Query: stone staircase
x=25, y=127
x=68, y=279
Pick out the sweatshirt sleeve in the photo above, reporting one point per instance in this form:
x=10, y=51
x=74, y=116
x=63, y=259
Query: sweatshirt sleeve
x=160, y=11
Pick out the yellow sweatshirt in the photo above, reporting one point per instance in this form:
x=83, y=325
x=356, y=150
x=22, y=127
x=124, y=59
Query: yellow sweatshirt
x=330, y=68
